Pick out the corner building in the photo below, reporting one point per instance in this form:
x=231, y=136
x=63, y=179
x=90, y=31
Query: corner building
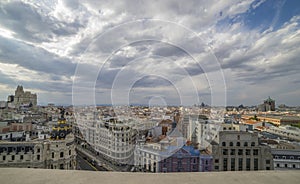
x=240, y=151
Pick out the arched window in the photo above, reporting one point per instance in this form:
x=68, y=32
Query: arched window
x=231, y=144
x=238, y=144
x=246, y=144
x=223, y=143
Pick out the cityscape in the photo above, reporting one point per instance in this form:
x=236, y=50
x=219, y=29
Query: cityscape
x=137, y=91
x=197, y=138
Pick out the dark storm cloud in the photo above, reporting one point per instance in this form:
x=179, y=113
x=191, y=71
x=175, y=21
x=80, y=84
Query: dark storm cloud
x=34, y=58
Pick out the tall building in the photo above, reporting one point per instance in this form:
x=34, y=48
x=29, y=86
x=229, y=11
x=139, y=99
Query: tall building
x=240, y=151
x=23, y=98
x=268, y=105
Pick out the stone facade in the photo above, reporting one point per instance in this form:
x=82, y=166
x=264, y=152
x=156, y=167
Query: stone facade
x=59, y=154
x=24, y=98
x=239, y=151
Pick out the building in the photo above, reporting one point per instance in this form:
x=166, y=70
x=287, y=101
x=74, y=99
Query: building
x=286, y=159
x=186, y=159
x=37, y=152
x=289, y=132
x=240, y=151
x=268, y=105
x=22, y=98
x=206, y=162
x=47, y=154
x=112, y=139
x=199, y=131
x=157, y=157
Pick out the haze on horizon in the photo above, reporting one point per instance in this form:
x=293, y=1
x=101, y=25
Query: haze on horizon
x=144, y=52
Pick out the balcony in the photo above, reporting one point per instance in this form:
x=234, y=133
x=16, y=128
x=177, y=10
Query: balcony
x=36, y=176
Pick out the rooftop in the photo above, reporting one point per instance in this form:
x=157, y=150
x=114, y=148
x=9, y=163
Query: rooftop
x=37, y=176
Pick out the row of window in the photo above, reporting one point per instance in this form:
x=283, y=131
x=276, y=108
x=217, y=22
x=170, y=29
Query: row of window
x=61, y=154
x=240, y=152
x=286, y=157
x=38, y=157
x=286, y=166
x=240, y=164
x=238, y=144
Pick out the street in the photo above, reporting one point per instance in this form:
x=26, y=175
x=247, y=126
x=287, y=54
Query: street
x=84, y=164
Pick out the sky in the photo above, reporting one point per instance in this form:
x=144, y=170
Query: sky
x=151, y=52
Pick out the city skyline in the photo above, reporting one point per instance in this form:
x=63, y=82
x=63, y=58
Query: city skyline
x=55, y=48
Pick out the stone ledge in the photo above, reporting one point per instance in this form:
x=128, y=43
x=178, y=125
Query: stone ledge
x=38, y=176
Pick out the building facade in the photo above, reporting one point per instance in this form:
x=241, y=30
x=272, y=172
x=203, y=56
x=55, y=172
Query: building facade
x=158, y=158
x=47, y=154
x=24, y=97
x=286, y=159
x=268, y=105
x=240, y=151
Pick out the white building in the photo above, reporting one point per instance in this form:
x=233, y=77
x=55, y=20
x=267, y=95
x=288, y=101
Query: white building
x=286, y=159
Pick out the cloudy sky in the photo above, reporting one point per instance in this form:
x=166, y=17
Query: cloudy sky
x=151, y=52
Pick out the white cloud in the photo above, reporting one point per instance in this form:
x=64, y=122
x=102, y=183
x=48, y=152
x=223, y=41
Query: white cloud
x=51, y=36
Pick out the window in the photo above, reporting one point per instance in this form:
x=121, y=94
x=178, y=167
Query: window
x=38, y=157
x=225, y=151
x=61, y=166
x=248, y=151
x=232, y=164
x=38, y=150
x=231, y=144
x=13, y=157
x=21, y=157
x=238, y=144
x=225, y=164
x=232, y=152
x=255, y=152
x=267, y=168
x=69, y=152
x=246, y=144
x=4, y=158
x=252, y=143
x=248, y=162
x=240, y=152
x=216, y=168
x=256, y=164
x=216, y=161
x=277, y=165
x=240, y=164
x=223, y=143
x=285, y=165
x=52, y=154
x=61, y=154
x=268, y=161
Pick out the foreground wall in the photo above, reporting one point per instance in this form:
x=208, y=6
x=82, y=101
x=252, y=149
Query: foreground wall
x=37, y=176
